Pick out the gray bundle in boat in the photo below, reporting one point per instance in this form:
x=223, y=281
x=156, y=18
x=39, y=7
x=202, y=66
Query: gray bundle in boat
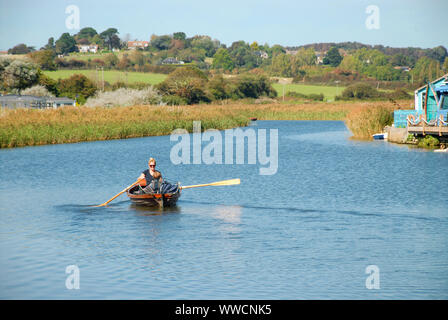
x=167, y=187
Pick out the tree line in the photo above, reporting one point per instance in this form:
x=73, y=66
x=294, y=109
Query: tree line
x=319, y=63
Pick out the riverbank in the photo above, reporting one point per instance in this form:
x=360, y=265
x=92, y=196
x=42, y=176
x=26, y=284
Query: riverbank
x=29, y=127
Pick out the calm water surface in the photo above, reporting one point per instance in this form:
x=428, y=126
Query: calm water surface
x=334, y=207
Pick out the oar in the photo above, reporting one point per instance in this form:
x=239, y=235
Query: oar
x=218, y=183
x=124, y=190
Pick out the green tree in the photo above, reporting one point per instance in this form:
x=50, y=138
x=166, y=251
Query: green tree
x=65, y=44
x=222, y=60
x=445, y=65
x=179, y=36
x=77, y=86
x=254, y=46
x=86, y=33
x=243, y=56
x=281, y=65
x=426, y=69
x=111, y=38
x=304, y=57
x=96, y=39
x=50, y=44
x=161, y=42
x=332, y=57
x=206, y=43
x=20, y=49
x=349, y=63
x=44, y=58
x=49, y=83
x=276, y=50
x=191, y=54
x=438, y=53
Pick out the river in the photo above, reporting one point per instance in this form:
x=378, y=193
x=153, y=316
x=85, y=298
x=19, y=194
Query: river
x=313, y=230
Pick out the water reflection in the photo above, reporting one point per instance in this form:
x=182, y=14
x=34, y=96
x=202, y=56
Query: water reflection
x=229, y=214
x=147, y=210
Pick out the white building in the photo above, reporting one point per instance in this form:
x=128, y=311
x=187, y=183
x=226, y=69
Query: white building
x=85, y=48
x=137, y=44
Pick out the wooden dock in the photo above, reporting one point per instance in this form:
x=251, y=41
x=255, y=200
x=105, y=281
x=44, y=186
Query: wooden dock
x=432, y=130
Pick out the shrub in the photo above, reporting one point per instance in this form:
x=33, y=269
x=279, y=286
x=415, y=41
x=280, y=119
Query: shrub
x=398, y=94
x=188, y=83
x=77, y=86
x=219, y=88
x=428, y=142
x=174, y=100
x=17, y=75
x=253, y=86
x=37, y=90
x=125, y=97
x=311, y=96
x=359, y=91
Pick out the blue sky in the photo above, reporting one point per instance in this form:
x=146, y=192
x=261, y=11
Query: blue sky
x=402, y=23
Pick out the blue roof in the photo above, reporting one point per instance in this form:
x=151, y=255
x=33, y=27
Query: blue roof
x=442, y=89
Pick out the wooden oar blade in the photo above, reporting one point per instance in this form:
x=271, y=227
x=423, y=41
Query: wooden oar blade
x=100, y=205
x=218, y=183
x=226, y=182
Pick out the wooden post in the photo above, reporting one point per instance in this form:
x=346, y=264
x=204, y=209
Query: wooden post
x=425, y=106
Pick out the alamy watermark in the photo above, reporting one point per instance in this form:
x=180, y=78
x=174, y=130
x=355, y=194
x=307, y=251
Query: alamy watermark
x=72, y=22
x=73, y=280
x=373, y=20
x=220, y=150
x=373, y=280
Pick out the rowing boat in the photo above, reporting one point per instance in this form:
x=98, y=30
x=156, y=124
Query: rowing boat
x=153, y=199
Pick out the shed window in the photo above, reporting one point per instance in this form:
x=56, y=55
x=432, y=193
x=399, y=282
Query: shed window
x=445, y=102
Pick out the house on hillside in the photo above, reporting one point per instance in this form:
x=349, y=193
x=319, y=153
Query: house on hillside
x=403, y=68
x=85, y=48
x=261, y=54
x=12, y=101
x=132, y=45
x=320, y=57
x=172, y=60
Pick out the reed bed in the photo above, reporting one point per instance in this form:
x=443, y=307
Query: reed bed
x=29, y=127
x=368, y=120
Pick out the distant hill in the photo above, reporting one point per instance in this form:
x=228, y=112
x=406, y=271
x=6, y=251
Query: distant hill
x=438, y=53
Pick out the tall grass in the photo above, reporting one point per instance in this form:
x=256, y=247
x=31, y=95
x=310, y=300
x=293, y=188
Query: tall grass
x=28, y=127
x=365, y=121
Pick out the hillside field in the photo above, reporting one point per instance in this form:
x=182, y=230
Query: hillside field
x=112, y=76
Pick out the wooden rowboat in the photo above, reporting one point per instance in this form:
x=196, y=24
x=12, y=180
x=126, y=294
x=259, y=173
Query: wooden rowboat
x=153, y=199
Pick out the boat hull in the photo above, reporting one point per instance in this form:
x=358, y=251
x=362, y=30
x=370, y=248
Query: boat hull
x=380, y=136
x=154, y=199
